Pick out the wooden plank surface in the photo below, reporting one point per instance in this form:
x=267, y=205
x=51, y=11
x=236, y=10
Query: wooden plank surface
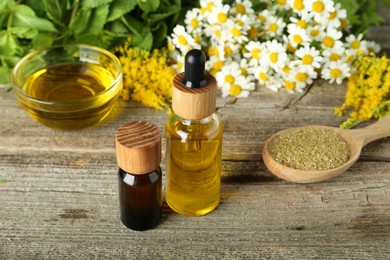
x=59, y=196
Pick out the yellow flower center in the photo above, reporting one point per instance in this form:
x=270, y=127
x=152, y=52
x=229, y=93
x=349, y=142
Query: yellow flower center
x=333, y=15
x=273, y=27
x=335, y=73
x=218, y=65
x=229, y=79
x=263, y=76
x=252, y=32
x=213, y=51
x=334, y=57
x=302, y=24
x=218, y=33
x=236, y=32
x=286, y=69
x=209, y=7
x=298, y=5
x=244, y=72
x=261, y=18
x=282, y=2
x=355, y=44
x=240, y=8
x=235, y=90
x=297, y=38
x=290, y=85
x=273, y=57
x=182, y=40
x=318, y=7
x=301, y=76
x=307, y=59
x=314, y=33
x=197, y=38
x=256, y=54
x=290, y=48
x=344, y=24
x=222, y=18
x=228, y=51
x=194, y=23
x=328, y=41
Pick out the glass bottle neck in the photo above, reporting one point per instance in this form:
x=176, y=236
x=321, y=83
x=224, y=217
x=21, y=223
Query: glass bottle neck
x=196, y=121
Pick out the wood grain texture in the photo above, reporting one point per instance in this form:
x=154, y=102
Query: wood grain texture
x=59, y=190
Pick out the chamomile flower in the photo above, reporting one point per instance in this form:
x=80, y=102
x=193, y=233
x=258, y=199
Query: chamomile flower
x=297, y=35
x=215, y=32
x=229, y=74
x=193, y=20
x=336, y=72
x=331, y=38
x=239, y=89
x=235, y=32
x=266, y=77
x=332, y=55
x=274, y=26
x=207, y=6
x=335, y=17
x=275, y=55
x=214, y=64
x=315, y=32
x=356, y=43
x=242, y=7
x=282, y=5
x=303, y=21
x=298, y=6
x=309, y=57
x=219, y=15
x=183, y=40
x=263, y=16
x=253, y=52
x=302, y=76
x=320, y=9
x=373, y=47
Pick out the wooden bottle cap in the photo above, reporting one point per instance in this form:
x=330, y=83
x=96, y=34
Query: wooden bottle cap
x=194, y=103
x=138, y=147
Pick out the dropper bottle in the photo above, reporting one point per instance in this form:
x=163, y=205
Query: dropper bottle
x=193, y=141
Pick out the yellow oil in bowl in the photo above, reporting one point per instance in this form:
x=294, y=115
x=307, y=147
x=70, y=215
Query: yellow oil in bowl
x=72, y=93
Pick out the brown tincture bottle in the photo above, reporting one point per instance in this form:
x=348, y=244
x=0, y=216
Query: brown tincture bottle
x=138, y=147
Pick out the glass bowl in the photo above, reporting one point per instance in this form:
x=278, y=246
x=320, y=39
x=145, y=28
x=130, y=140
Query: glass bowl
x=68, y=87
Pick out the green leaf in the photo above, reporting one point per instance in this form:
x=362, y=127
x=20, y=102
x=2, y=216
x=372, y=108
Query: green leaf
x=5, y=77
x=9, y=45
x=24, y=16
x=134, y=25
x=143, y=41
x=43, y=40
x=89, y=21
x=9, y=62
x=57, y=11
x=37, y=6
x=159, y=35
x=80, y=23
x=149, y=5
x=119, y=8
x=23, y=32
x=89, y=4
x=3, y=181
x=157, y=17
x=98, y=19
x=6, y=4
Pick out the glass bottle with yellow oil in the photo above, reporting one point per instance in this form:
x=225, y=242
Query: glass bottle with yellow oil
x=193, y=141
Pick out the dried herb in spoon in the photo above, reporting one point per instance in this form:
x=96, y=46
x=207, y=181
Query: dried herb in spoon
x=309, y=149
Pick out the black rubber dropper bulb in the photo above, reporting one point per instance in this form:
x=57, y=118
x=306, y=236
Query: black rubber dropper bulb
x=194, y=69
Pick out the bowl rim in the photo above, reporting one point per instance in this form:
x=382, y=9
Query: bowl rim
x=20, y=91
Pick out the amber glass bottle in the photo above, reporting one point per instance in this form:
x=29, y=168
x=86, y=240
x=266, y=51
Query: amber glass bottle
x=193, y=141
x=138, y=147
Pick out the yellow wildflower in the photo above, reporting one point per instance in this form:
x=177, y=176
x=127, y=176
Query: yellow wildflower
x=368, y=91
x=147, y=76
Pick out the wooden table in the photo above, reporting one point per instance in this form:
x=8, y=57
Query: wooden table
x=59, y=194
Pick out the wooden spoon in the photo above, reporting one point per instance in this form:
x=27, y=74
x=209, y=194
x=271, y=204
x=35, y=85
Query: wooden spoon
x=356, y=139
